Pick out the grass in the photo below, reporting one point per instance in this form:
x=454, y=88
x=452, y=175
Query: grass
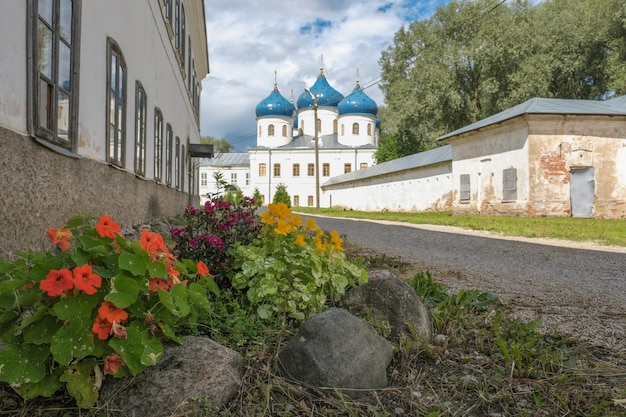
x=610, y=232
x=485, y=363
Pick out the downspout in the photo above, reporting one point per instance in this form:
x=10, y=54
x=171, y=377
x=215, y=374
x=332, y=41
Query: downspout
x=269, y=179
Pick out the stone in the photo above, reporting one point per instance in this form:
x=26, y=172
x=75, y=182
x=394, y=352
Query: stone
x=386, y=297
x=190, y=378
x=335, y=349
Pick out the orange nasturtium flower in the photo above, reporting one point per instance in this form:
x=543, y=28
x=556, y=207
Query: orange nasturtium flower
x=109, y=312
x=203, y=269
x=106, y=227
x=112, y=364
x=60, y=237
x=158, y=283
x=102, y=328
x=85, y=280
x=57, y=282
x=152, y=242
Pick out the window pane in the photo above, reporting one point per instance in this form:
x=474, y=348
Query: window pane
x=65, y=26
x=63, y=115
x=44, y=50
x=65, y=55
x=44, y=110
x=44, y=8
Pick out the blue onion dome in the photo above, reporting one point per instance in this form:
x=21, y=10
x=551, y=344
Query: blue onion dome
x=326, y=95
x=275, y=105
x=295, y=121
x=357, y=102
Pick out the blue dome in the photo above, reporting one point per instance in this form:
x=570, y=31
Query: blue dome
x=274, y=105
x=357, y=102
x=326, y=95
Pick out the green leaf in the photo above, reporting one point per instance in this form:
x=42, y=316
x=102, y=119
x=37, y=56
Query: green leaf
x=71, y=342
x=198, y=296
x=80, y=384
x=41, y=332
x=93, y=245
x=124, y=291
x=75, y=307
x=169, y=332
x=47, y=387
x=6, y=267
x=135, y=264
x=19, y=365
x=75, y=221
x=180, y=297
x=8, y=286
x=80, y=256
x=41, y=269
x=138, y=350
x=156, y=270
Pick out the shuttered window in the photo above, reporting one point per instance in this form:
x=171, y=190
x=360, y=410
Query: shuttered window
x=465, y=187
x=509, y=184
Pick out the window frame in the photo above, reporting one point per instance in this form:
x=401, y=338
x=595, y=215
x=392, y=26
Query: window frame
x=141, y=127
x=355, y=128
x=262, y=169
x=295, y=170
x=465, y=190
x=169, y=149
x=509, y=184
x=49, y=129
x=310, y=170
x=116, y=151
x=276, y=169
x=177, y=162
x=347, y=167
x=326, y=169
x=158, y=144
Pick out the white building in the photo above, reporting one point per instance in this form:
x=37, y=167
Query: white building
x=232, y=168
x=347, y=136
x=99, y=112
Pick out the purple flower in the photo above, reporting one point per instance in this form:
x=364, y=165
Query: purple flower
x=192, y=210
x=193, y=243
x=177, y=231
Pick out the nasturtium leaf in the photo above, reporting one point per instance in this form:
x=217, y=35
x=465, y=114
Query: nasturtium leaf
x=80, y=256
x=47, y=387
x=198, y=296
x=41, y=268
x=135, y=264
x=138, y=350
x=264, y=311
x=166, y=300
x=9, y=285
x=124, y=291
x=180, y=297
x=6, y=266
x=22, y=364
x=169, y=332
x=41, y=332
x=93, y=245
x=72, y=342
x=75, y=221
x=156, y=270
x=75, y=307
x=80, y=382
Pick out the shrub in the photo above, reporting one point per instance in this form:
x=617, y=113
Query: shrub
x=211, y=232
x=294, y=269
x=99, y=305
x=281, y=195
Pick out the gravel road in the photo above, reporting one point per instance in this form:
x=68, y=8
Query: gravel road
x=579, y=288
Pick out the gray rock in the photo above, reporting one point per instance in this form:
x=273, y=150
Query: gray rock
x=336, y=349
x=190, y=377
x=388, y=298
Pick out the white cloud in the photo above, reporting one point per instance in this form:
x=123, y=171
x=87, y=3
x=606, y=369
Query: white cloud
x=249, y=40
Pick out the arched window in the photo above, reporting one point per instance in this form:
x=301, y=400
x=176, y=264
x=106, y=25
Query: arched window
x=355, y=128
x=270, y=130
x=319, y=125
x=260, y=131
x=369, y=129
x=284, y=131
x=343, y=129
x=335, y=126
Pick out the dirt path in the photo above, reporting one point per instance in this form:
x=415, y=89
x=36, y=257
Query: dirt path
x=579, y=288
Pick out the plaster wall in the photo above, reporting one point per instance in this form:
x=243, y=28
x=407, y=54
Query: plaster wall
x=559, y=144
x=211, y=188
x=263, y=138
x=484, y=155
x=420, y=189
x=13, y=69
x=326, y=115
x=34, y=200
x=362, y=138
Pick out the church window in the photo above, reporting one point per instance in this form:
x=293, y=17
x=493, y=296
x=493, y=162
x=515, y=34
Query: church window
x=309, y=201
x=262, y=170
x=284, y=131
x=347, y=168
x=319, y=125
x=355, y=128
x=335, y=126
x=296, y=200
x=270, y=130
x=363, y=165
x=296, y=170
x=343, y=129
x=277, y=170
x=260, y=131
x=310, y=170
x=369, y=129
x=326, y=170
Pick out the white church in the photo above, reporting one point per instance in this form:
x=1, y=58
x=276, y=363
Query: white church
x=286, y=152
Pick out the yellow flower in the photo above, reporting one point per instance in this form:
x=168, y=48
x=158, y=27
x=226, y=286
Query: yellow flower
x=295, y=220
x=311, y=224
x=300, y=241
x=319, y=245
x=267, y=218
x=281, y=228
x=336, y=240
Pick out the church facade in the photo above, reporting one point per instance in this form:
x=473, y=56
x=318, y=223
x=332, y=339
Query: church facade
x=301, y=146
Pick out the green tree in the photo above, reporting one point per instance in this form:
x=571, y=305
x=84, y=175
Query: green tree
x=219, y=145
x=257, y=197
x=281, y=195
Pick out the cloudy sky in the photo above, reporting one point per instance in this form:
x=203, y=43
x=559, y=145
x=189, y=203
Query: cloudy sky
x=251, y=40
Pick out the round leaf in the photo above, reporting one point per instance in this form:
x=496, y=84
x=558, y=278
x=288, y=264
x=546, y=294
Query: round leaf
x=19, y=365
x=124, y=291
